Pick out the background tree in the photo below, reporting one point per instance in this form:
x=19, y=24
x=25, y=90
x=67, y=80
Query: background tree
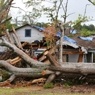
x=92, y=1
x=52, y=12
x=4, y=11
x=32, y=16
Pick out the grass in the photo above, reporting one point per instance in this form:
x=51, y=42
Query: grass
x=29, y=91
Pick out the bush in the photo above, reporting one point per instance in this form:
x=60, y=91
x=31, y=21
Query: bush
x=48, y=85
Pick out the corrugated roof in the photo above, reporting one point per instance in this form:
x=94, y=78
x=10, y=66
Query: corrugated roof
x=85, y=43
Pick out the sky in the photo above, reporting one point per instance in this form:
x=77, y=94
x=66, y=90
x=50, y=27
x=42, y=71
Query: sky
x=74, y=6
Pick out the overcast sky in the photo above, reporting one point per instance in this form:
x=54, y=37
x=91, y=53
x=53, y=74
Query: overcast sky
x=74, y=6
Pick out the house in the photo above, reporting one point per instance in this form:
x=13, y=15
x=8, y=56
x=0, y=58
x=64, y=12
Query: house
x=72, y=52
x=28, y=33
x=89, y=44
x=78, y=49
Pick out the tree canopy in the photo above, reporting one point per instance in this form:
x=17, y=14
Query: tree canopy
x=4, y=12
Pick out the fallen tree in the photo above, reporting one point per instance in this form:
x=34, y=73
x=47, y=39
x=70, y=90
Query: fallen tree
x=23, y=72
x=80, y=68
x=23, y=55
x=39, y=69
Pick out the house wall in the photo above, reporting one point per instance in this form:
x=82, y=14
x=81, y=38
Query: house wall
x=73, y=58
x=35, y=34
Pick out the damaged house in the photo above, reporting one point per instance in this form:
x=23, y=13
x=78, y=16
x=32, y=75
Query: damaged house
x=89, y=44
x=78, y=49
x=29, y=33
x=26, y=33
x=75, y=49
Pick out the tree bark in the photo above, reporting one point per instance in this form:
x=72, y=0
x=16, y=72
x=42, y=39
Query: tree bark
x=53, y=62
x=26, y=72
x=23, y=55
x=83, y=68
x=51, y=59
x=50, y=78
x=16, y=38
x=9, y=37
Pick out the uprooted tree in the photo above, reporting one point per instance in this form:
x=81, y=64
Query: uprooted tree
x=38, y=69
x=30, y=67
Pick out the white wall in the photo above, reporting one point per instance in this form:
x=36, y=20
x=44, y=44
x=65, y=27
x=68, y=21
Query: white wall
x=73, y=58
x=35, y=34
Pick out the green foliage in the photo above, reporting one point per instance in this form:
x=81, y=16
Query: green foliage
x=35, y=13
x=85, y=32
x=68, y=83
x=48, y=85
x=5, y=74
x=90, y=27
x=92, y=1
x=3, y=3
x=51, y=10
x=42, y=24
x=77, y=23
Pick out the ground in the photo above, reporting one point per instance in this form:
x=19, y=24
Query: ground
x=39, y=90
x=22, y=87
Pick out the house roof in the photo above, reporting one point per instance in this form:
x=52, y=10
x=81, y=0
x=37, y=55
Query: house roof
x=88, y=44
x=36, y=27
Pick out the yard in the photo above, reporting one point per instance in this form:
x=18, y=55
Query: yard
x=57, y=90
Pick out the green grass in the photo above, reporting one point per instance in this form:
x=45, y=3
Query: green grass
x=30, y=91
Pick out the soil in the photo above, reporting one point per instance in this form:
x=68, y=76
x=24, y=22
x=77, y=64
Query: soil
x=59, y=89
x=84, y=88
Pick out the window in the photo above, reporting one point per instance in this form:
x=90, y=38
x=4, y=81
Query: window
x=27, y=32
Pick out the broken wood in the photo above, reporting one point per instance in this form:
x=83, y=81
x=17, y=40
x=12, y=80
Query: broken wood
x=16, y=38
x=51, y=59
x=53, y=62
x=23, y=55
x=15, y=60
x=43, y=58
x=9, y=37
x=50, y=78
x=80, y=58
x=72, y=52
x=39, y=80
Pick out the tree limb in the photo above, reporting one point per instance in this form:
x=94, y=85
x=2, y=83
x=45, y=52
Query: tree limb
x=23, y=55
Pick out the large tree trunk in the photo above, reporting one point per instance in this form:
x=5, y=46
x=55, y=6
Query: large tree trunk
x=39, y=69
x=22, y=72
x=74, y=68
x=26, y=72
x=82, y=68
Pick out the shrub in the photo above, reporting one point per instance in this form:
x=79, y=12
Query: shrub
x=48, y=85
x=85, y=32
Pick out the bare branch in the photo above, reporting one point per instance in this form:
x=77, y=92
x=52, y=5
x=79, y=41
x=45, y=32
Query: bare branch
x=91, y=2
